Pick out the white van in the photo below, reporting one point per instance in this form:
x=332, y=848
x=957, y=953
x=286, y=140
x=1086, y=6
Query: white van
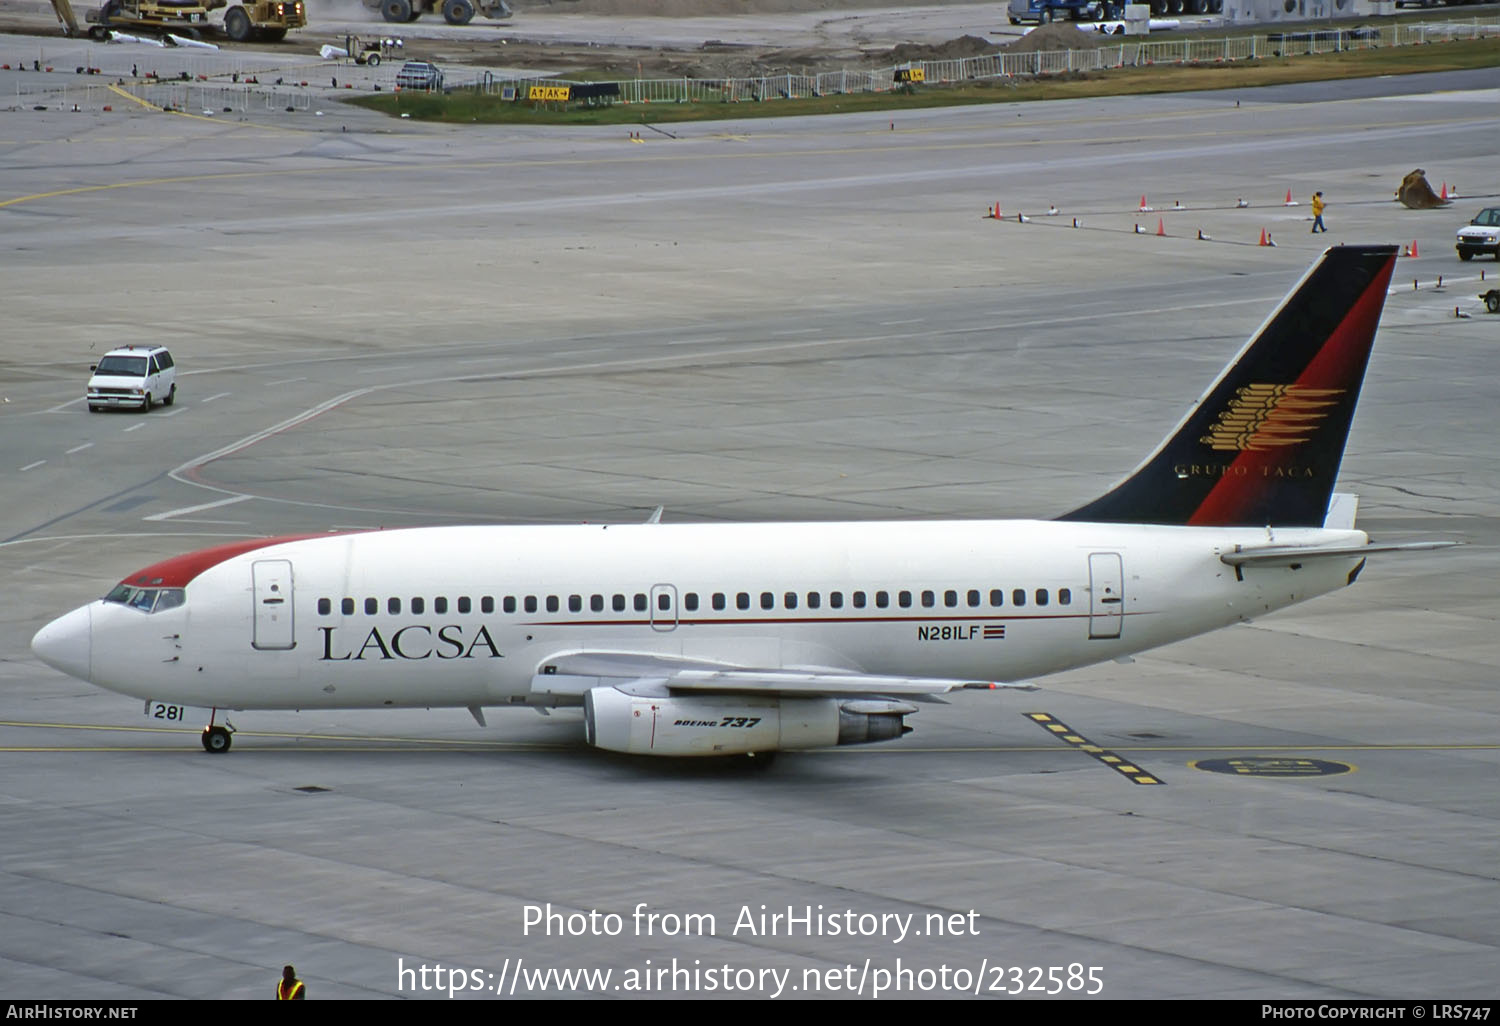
x=137, y=376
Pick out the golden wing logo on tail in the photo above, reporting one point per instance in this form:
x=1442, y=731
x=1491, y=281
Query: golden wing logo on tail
x=1262, y=417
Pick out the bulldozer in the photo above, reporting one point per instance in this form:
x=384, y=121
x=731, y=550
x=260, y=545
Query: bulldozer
x=262, y=20
x=455, y=12
x=265, y=20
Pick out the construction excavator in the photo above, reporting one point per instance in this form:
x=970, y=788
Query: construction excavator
x=257, y=20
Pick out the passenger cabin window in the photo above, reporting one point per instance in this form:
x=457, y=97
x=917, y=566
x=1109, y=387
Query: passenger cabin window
x=553, y=605
x=640, y=602
x=463, y=604
x=690, y=601
x=618, y=603
x=487, y=604
x=1064, y=596
x=530, y=603
x=346, y=606
x=767, y=600
x=719, y=601
x=575, y=603
x=742, y=600
x=418, y=605
x=929, y=599
x=372, y=606
x=393, y=606
x=814, y=600
x=325, y=607
x=974, y=598
x=903, y=599
x=439, y=605
x=836, y=600
x=1018, y=597
x=997, y=597
x=1041, y=596
x=790, y=599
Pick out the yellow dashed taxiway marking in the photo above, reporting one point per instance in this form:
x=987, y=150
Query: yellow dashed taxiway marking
x=1129, y=771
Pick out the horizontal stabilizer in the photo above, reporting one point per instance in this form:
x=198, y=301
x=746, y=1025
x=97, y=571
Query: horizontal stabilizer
x=1297, y=555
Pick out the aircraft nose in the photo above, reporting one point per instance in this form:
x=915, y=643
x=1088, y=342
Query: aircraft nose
x=66, y=643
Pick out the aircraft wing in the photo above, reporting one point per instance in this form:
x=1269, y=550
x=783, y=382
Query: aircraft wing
x=573, y=674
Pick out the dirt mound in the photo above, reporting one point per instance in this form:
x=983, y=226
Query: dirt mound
x=707, y=8
x=1058, y=35
x=952, y=50
x=1416, y=193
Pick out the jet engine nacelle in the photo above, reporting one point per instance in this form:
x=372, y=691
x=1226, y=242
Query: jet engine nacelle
x=734, y=724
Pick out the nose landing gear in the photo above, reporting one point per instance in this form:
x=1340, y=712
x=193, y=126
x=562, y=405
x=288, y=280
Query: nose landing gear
x=217, y=739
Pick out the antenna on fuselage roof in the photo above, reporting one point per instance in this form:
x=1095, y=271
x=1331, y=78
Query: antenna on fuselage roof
x=655, y=517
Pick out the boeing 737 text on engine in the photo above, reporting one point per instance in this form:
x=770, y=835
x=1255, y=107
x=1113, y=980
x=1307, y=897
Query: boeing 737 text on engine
x=719, y=639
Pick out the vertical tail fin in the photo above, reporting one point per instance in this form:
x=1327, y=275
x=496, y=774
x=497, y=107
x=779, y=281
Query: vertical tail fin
x=1263, y=445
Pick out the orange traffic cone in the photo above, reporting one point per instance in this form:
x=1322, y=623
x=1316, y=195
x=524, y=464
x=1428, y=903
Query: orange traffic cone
x=1444, y=194
x=1161, y=227
x=1262, y=241
x=1411, y=250
x=1289, y=201
x=1143, y=207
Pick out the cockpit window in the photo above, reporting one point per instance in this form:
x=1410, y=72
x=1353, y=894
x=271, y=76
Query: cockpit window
x=147, y=600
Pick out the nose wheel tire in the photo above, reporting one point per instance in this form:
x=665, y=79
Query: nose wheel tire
x=216, y=740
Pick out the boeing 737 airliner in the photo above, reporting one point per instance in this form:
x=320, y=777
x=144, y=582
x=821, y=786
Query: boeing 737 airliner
x=751, y=638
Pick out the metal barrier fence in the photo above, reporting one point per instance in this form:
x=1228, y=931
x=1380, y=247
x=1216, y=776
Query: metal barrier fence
x=189, y=97
x=1291, y=43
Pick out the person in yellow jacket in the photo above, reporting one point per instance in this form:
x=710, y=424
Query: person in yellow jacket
x=290, y=988
x=1317, y=205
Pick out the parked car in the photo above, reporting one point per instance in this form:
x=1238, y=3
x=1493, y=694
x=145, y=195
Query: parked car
x=1481, y=235
x=134, y=376
x=419, y=75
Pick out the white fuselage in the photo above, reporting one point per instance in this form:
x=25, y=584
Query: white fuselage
x=468, y=616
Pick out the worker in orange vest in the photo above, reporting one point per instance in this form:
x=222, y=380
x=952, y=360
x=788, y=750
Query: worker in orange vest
x=290, y=988
x=1317, y=209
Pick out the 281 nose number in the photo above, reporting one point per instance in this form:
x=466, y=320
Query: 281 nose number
x=163, y=711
